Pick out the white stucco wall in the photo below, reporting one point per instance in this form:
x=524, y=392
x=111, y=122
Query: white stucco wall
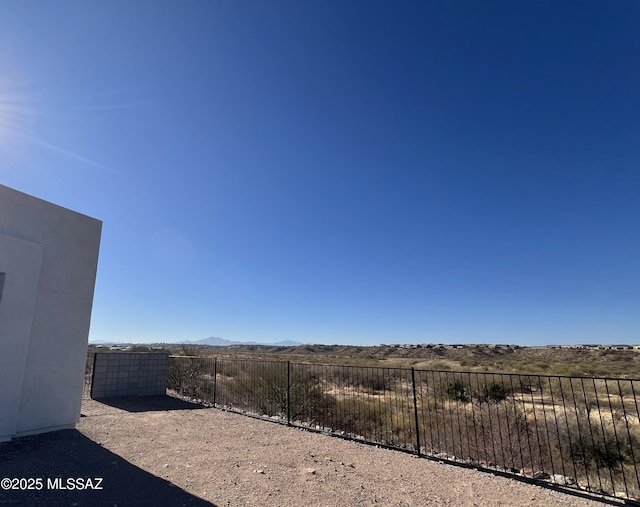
x=49, y=257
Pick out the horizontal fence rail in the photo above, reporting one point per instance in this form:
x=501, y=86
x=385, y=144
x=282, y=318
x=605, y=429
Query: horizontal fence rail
x=582, y=433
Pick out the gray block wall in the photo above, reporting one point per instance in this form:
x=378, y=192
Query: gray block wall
x=129, y=374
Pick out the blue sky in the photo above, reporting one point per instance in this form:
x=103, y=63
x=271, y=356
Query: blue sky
x=338, y=172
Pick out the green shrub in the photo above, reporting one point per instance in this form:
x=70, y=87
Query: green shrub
x=456, y=391
x=492, y=392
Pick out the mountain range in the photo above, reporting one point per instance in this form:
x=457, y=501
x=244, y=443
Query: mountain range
x=221, y=342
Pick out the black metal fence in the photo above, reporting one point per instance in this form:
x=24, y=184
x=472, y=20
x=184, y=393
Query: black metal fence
x=583, y=433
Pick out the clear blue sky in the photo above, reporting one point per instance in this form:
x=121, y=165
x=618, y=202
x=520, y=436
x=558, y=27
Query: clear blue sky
x=338, y=172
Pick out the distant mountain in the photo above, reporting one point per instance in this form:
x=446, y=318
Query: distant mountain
x=214, y=340
x=221, y=342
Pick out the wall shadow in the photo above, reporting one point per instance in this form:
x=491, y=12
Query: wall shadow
x=148, y=403
x=69, y=454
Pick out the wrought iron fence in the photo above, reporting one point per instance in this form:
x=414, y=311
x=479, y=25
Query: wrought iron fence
x=579, y=432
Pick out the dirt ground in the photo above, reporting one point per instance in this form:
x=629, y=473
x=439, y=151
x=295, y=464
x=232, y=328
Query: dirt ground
x=164, y=451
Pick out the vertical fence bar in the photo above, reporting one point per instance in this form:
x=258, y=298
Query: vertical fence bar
x=415, y=409
x=444, y=445
x=635, y=463
x=481, y=453
x=93, y=374
x=288, y=393
x=604, y=435
x=615, y=432
x=541, y=468
x=588, y=407
x=215, y=379
x=563, y=397
x=628, y=436
x=576, y=411
x=473, y=455
x=523, y=389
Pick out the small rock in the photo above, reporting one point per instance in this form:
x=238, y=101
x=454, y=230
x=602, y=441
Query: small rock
x=562, y=480
x=311, y=471
x=541, y=475
x=166, y=465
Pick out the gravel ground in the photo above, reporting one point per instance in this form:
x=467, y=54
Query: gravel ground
x=169, y=452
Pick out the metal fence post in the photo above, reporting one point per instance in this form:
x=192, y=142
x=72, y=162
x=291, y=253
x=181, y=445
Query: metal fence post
x=93, y=374
x=215, y=378
x=288, y=393
x=415, y=408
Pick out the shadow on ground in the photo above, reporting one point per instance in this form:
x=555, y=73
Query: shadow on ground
x=68, y=454
x=148, y=403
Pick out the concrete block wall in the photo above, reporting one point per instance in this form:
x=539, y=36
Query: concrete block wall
x=129, y=374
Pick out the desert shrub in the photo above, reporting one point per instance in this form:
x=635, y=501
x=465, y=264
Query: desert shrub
x=357, y=418
x=189, y=350
x=493, y=392
x=604, y=441
x=442, y=429
x=267, y=388
x=258, y=387
x=228, y=368
x=456, y=391
x=498, y=434
x=88, y=367
x=190, y=376
x=375, y=381
x=254, y=386
x=523, y=385
x=363, y=379
x=585, y=439
x=628, y=388
x=309, y=402
x=375, y=421
x=541, y=366
x=475, y=416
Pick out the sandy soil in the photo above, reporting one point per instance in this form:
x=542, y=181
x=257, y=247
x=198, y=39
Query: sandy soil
x=207, y=456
